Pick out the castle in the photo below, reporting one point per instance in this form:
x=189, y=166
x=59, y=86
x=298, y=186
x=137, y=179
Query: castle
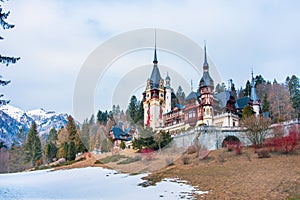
x=202, y=107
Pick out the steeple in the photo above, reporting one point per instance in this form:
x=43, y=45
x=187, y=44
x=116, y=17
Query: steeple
x=253, y=95
x=205, y=64
x=155, y=56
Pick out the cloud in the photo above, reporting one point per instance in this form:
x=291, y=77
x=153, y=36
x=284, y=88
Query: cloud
x=54, y=38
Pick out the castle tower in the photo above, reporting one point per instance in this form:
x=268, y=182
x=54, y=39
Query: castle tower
x=206, y=89
x=154, y=98
x=168, y=94
x=254, y=101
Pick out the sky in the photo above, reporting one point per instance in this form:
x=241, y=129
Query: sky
x=55, y=38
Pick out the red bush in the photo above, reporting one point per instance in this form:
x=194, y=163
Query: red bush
x=284, y=144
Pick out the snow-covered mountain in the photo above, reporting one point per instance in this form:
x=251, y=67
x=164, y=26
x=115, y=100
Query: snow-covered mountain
x=12, y=119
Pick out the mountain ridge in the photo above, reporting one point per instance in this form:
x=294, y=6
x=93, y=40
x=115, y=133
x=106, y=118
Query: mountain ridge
x=14, y=119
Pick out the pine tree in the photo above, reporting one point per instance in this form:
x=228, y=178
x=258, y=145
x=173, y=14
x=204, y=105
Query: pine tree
x=247, y=111
x=247, y=89
x=139, y=117
x=33, y=147
x=71, y=155
x=294, y=88
x=50, y=152
x=50, y=148
x=266, y=104
x=75, y=138
x=259, y=80
x=132, y=108
x=63, y=150
x=52, y=138
x=6, y=60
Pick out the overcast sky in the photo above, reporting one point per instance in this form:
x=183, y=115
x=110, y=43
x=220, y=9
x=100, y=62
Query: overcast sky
x=55, y=37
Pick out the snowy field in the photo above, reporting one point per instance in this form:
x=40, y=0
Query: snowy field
x=87, y=184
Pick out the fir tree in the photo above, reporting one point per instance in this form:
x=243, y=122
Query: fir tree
x=6, y=60
x=52, y=138
x=50, y=152
x=50, y=148
x=247, y=111
x=71, y=155
x=139, y=117
x=74, y=138
x=247, y=89
x=33, y=147
x=266, y=104
x=294, y=88
x=132, y=108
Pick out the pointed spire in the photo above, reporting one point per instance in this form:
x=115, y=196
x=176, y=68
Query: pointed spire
x=253, y=95
x=155, y=56
x=191, y=85
x=205, y=64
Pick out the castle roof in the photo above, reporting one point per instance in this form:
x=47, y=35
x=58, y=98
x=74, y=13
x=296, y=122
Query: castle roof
x=242, y=102
x=192, y=95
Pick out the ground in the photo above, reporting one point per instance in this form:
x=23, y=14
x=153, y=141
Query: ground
x=224, y=174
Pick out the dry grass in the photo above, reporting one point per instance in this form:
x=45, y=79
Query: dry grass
x=238, y=177
x=224, y=174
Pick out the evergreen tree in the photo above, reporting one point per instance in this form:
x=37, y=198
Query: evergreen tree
x=33, y=147
x=52, y=138
x=50, y=148
x=50, y=152
x=139, y=117
x=266, y=104
x=6, y=60
x=247, y=111
x=75, y=138
x=102, y=117
x=132, y=108
x=71, y=128
x=247, y=89
x=259, y=80
x=294, y=88
x=233, y=90
x=92, y=120
x=71, y=155
x=63, y=150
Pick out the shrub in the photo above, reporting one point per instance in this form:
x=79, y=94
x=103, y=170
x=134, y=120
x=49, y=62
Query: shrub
x=263, y=153
x=286, y=144
x=185, y=159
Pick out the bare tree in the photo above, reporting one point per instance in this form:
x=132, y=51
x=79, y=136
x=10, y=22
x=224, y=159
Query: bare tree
x=281, y=108
x=257, y=128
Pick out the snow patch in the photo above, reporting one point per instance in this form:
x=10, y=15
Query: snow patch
x=88, y=183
